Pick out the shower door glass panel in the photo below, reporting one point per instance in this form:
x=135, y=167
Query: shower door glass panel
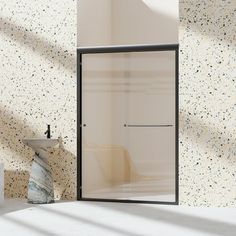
x=128, y=126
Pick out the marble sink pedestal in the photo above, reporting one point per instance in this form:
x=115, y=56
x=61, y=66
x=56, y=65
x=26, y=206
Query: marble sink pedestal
x=40, y=188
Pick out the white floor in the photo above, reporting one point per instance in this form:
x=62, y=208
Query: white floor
x=112, y=219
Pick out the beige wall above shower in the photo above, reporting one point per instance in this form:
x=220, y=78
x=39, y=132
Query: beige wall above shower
x=112, y=22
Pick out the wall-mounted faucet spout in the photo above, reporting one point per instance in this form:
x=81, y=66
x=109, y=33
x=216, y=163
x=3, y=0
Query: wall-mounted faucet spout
x=48, y=132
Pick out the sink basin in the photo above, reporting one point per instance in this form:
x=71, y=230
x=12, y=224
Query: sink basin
x=40, y=143
x=40, y=188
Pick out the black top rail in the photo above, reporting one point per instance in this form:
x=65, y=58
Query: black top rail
x=127, y=48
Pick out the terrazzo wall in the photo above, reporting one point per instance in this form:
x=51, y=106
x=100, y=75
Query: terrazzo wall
x=208, y=102
x=38, y=87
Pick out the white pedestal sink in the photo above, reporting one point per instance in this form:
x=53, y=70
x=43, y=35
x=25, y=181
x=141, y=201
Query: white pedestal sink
x=40, y=188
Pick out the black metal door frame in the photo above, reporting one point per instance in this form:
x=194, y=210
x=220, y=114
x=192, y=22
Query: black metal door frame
x=122, y=49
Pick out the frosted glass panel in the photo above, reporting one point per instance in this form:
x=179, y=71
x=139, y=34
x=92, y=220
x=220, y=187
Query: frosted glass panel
x=128, y=126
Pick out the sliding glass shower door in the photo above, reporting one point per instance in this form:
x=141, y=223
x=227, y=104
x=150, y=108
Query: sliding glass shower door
x=128, y=129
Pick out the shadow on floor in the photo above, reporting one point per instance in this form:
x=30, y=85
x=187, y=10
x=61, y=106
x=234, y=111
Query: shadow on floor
x=29, y=226
x=11, y=205
x=155, y=214
x=173, y=218
x=86, y=221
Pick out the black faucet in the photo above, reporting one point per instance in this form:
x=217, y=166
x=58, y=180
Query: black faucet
x=48, y=132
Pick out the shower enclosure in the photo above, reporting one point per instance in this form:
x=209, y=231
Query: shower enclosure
x=128, y=123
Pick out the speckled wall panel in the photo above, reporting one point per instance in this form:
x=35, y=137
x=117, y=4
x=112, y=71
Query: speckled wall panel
x=208, y=102
x=38, y=87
